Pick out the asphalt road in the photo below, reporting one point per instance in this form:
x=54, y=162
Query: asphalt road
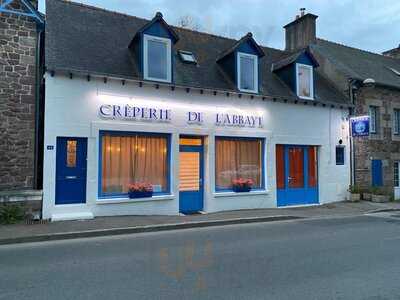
x=348, y=258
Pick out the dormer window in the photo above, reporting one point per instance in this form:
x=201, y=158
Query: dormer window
x=156, y=58
x=305, y=82
x=247, y=72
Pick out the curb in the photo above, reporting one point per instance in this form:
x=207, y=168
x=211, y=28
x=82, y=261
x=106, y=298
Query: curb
x=142, y=229
x=375, y=211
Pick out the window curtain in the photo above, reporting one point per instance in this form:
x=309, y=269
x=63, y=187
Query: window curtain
x=133, y=159
x=238, y=158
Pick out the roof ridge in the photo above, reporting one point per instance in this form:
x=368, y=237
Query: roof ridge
x=358, y=49
x=100, y=9
x=147, y=20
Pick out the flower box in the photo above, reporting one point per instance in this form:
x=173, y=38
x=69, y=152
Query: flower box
x=137, y=194
x=140, y=190
x=238, y=189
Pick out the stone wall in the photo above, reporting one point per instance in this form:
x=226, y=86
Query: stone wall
x=17, y=101
x=383, y=145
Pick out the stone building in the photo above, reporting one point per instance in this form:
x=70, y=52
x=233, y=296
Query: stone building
x=372, y=82
x=20, y=123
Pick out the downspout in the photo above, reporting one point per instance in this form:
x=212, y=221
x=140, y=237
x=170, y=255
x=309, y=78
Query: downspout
x=352, y=148
x=37, y=107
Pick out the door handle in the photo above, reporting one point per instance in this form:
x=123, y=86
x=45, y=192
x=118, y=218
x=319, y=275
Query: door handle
x=70, y=177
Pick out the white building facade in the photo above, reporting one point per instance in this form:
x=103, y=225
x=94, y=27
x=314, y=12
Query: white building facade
x=77, y=108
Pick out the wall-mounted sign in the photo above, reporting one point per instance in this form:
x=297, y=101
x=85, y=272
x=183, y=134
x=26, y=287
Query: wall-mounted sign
x=50, y=147
x=359, y=126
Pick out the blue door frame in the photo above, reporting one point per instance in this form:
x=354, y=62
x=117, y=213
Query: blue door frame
x=192, y=201
x=71, y=163
x=287, y=195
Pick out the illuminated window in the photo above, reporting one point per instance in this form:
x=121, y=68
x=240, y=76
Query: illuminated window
x=237, y=158
x=157, y=58
x=305, y=85
x=248, y=72
x=133, y=158
x=71, y=154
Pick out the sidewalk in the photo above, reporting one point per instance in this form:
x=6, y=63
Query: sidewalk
x=103, y=226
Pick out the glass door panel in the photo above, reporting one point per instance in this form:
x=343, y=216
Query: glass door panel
x=296, y=167
x=189, y=171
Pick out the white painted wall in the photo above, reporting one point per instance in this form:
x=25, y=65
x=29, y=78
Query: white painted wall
x=72, y=110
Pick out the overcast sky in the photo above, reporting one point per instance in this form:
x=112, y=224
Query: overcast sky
x=372, y=25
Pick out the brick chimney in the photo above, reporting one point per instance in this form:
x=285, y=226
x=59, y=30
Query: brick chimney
x=395, y=53
x=301, y=32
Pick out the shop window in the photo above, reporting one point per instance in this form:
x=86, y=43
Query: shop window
x=373, y=119
x=128, y=158
x=248, y=72
x=305, y=84
x=339, y=155
x=157, y=58
x=237, y=158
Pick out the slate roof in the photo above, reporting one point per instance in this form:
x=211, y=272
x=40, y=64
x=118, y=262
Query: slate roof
x=90, y=40
x=359, y=64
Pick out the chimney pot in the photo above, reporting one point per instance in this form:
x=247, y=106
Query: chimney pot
x=302, y=11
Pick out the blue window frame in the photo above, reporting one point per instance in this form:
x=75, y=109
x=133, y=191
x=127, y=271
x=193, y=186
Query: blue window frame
x=132, y=157
x=340, y=155
x=239, y=157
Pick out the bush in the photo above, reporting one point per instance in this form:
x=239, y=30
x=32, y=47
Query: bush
x=11, y=214
x=355, y=189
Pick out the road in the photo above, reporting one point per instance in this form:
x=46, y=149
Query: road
x=343, y=258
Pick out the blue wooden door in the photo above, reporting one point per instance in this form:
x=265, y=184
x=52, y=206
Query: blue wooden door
x=377, y=176
x=190, y=178
x=71, y=170
x=297, y=175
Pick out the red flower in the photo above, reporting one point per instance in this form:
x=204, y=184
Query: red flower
x=140, y=187
x=243, y=183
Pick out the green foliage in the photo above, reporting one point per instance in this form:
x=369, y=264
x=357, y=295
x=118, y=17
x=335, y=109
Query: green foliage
x=11, y=214
x=355, y=189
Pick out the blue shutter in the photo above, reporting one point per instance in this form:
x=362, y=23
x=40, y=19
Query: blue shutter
x=377, y=178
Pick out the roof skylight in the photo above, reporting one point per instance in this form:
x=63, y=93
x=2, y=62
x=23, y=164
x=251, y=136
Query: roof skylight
x=187, y=57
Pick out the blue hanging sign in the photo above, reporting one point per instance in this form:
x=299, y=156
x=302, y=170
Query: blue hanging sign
x=359, y=126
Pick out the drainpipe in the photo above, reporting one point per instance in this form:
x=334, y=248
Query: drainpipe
x=36, y=180
x=352, y=148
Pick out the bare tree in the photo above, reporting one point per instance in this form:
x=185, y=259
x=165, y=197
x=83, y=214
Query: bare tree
x=188, y=21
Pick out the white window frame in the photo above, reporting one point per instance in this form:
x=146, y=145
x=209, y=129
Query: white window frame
x=255, y=70
x=398, y=174
x=373, y=122
x=146, y=39
x=396, y=121
x=311, y=68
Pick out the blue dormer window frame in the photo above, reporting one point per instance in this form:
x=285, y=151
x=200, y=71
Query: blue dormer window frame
x=239, y=74
x=146, y=61
x=311, y=81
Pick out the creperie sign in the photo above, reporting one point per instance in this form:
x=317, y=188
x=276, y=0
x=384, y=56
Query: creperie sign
x=140, y=113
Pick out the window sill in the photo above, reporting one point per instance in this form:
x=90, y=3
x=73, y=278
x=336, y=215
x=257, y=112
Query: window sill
x=128, y=200
x=234, y=194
